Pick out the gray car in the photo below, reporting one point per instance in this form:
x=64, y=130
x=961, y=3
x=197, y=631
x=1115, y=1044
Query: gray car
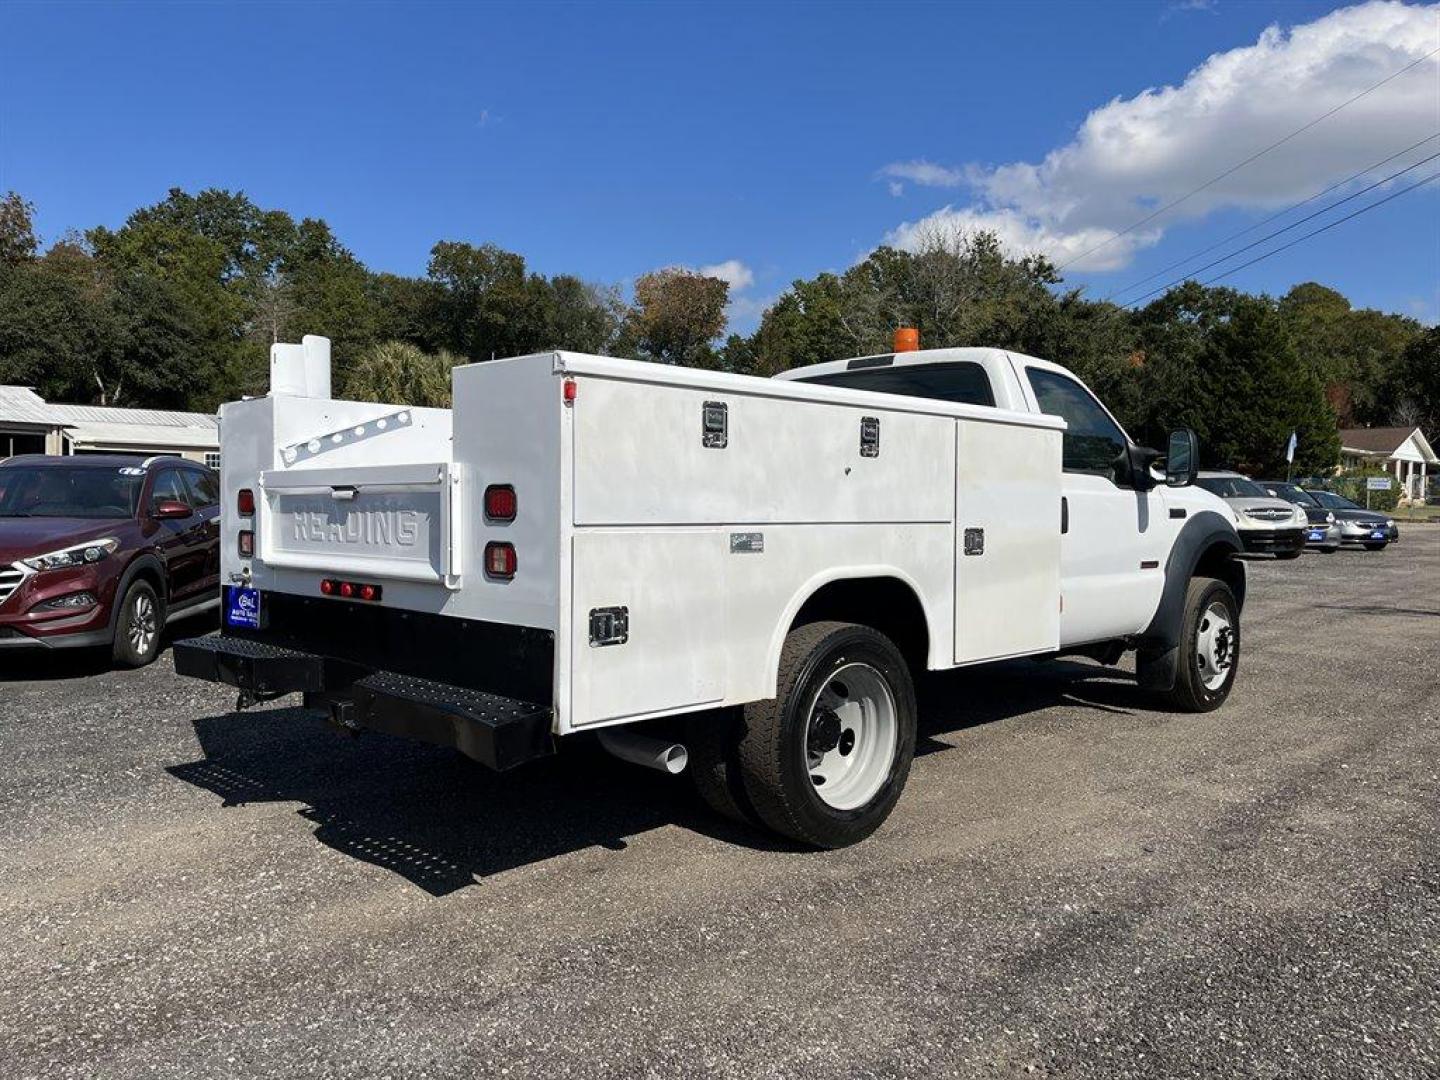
x=1265, y=523
x=1369, y=528
x=1322, y=531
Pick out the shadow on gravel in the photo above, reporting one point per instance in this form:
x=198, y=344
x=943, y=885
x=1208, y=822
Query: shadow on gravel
x=431, y=815
x=1380, y=609
x=442, y=822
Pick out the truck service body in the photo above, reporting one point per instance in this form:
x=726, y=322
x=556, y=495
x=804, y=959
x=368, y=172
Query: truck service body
x=591, y=543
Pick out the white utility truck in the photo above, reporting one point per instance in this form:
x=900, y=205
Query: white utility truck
x=734, y=572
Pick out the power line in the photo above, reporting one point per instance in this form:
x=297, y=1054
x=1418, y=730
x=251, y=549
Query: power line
x=1278, y=214
x=1270, y=236
x=1316, y=232
x=1236, y=168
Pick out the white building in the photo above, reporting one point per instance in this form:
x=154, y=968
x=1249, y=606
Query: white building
x=1403, y=451
x=31, y=425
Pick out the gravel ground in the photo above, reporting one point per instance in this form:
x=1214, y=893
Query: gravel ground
x=1073, y=885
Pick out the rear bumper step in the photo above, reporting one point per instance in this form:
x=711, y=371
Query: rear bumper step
x=497, y=731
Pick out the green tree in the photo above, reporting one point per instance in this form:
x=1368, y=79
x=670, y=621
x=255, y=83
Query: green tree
x=17, y=229
x=1415, y=385
x=400, y=373
x=677, y=314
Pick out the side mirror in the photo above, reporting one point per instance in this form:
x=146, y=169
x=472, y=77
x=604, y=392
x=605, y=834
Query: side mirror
x=1182, y=459
x=171, y=508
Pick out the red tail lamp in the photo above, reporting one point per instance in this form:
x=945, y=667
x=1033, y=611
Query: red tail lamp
x=500, y=502
x=500, y=560
x=245, y=502
x=350, y=590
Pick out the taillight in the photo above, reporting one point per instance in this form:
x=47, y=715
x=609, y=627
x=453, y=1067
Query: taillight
x=247, y=544
x=500, y=502
x=500, y=560
x=350, y=590
x=570, y=391
x=245, y=502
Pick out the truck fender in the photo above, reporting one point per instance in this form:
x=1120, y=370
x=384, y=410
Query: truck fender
x=1209, y=538
x=827, y=577
x=139, y=563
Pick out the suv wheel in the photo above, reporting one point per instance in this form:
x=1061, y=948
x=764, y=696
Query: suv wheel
x=138, y=626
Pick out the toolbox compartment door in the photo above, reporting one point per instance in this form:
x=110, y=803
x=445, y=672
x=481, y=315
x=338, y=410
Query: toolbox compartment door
x=369, y=522
x=670, y=585
x=1007, y=540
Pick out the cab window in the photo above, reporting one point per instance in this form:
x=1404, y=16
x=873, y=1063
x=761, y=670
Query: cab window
x=1093, y=442
x=960, y=381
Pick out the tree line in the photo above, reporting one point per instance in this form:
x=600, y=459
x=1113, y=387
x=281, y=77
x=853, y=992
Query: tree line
x=177, y=308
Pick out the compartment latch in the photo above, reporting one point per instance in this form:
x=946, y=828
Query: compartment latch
x=609, y=626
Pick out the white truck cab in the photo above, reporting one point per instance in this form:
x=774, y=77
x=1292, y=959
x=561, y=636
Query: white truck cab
x=733, y=573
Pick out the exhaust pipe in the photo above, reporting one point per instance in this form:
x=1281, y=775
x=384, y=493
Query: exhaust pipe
x=668, y=757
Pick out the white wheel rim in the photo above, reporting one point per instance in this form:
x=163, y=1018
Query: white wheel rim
x=142, y=623
x=851, y=736
x=1215, y=646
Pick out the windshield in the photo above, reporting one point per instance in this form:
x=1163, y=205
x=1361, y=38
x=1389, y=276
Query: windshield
x=1331, y=501
x=79, y=491
x=1292, y=493
x=1232, y=487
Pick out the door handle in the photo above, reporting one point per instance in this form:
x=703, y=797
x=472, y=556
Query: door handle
x=1064, y=515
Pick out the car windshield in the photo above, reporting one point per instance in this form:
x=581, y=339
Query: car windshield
x=1331, y=501
x=1291, y=493
x=69, y=491
x=1232, y=487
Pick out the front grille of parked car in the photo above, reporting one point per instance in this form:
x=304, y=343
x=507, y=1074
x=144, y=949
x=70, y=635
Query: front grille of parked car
x=10, y=578
x=1266, y=514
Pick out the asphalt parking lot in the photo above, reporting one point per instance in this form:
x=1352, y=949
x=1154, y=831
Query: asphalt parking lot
x=1074, y=885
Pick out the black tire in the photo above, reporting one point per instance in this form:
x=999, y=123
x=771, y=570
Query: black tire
x=135, y=645
x=771, y=752
x=1190, y=694
x=1329, y=550
x=713, y=740
x=1288, y=554
x=1375, y=547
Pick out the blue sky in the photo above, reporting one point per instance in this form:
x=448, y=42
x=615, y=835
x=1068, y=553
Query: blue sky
x=775, y=139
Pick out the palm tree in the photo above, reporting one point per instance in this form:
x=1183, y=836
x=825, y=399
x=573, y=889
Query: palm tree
x=402, y=374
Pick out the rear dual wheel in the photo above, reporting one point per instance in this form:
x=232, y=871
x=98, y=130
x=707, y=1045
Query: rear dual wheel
x=825, y=761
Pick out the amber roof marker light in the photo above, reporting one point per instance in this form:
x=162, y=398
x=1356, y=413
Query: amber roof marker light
x=907, y=339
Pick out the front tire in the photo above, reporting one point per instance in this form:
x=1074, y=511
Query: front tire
x=138, y=626
x=1287, y=554
x=825, y=761
x=1209, y=647
x=1374, y=547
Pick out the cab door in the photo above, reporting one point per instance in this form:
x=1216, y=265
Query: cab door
x=182, y=541
x=1113, y=538
x=204, y=488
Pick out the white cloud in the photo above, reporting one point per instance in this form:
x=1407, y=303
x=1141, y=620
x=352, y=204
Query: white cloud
x=896, y=188
x=924, y=173
x=1132, y=156
x=733, y=272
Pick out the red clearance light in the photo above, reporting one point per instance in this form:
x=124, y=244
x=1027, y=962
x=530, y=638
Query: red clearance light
x=571, y=391
x=245, y=502
x=350, y=590
x=500, y=503
x=247, y=544
x=500, y=560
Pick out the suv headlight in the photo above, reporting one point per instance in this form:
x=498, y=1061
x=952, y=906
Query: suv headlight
x=1329, y=517
x=92, y=551
x=1389, y=522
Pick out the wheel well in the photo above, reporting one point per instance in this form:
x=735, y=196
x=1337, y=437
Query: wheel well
x=1220, y=561
x=150, y=573
x=885, y=604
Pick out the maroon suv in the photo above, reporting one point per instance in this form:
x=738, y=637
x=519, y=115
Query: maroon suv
x=102, y=550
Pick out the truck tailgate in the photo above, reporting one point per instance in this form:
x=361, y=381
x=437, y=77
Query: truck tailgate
x=374, y=521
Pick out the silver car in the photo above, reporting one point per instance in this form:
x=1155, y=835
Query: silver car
x=1265, y=523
